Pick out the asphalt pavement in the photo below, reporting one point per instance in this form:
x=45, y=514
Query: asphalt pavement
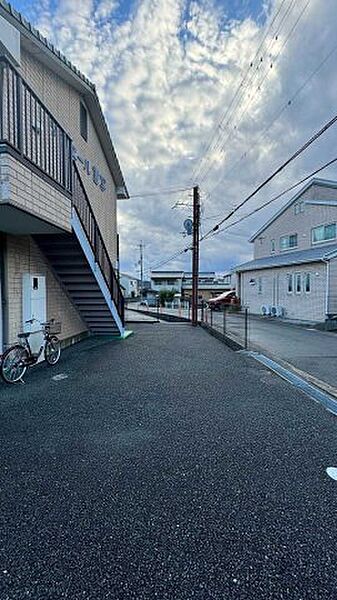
x=311, y=350
x=165, y=466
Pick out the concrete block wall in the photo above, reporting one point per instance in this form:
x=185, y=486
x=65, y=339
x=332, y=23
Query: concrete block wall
x=19, y=185
x=23, y=256
x=63, y=101
x=302, y=306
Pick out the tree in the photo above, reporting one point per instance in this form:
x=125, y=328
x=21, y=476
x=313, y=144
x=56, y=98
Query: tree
x=166, y=296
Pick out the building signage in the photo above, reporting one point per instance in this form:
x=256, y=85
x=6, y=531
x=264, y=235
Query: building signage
x=91, y=171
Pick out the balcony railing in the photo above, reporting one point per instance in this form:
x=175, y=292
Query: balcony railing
x=30, y=130
x=85, y=213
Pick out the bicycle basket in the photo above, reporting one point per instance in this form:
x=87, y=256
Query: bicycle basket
x=54, y=328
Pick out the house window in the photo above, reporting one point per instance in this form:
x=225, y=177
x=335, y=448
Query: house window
x=298, y=283
x=323, y=233
x=288, y=241
x=259, y=285
x=272, y=245
x=83, y=122
x=290, y=283
x=307, y=283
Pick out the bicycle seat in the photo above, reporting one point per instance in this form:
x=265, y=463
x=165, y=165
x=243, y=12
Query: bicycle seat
x=24, y=335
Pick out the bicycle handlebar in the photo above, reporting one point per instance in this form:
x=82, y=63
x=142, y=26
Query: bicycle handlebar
x=31, y=321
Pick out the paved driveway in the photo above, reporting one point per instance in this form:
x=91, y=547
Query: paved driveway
x=308, y=349
x=167, y=467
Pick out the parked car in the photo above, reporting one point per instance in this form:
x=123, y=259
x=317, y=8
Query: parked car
x=224, y=299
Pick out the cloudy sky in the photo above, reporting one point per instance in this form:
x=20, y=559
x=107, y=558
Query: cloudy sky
x=214, y=92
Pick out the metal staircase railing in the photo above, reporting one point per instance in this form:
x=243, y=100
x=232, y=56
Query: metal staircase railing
x=88, y=221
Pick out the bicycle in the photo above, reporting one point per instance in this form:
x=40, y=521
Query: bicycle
x=19, y=357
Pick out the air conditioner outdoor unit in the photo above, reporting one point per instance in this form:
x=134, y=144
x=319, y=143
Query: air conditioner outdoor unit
x=279, y=311
x=265, y=310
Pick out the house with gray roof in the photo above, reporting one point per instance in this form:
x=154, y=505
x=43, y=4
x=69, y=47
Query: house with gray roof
x=294, y=270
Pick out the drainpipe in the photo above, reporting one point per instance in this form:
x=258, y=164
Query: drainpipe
x=3, y=292
x=327, y=286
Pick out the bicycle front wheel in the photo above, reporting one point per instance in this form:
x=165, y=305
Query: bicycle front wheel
x=52, y=350
x=14, y=364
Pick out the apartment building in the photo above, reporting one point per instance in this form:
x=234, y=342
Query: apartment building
x=59, y=184
x=294, y=270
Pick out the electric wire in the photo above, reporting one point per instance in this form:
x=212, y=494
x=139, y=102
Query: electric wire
x=265, y=204
x=224, y=115
x=298, y=152
x=160, y=192
x=222, y=143
x=218, y=143
x=282, y=109
x=259, y=208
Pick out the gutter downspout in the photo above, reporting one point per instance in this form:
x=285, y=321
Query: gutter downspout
x=3, y=293
x=327, y=290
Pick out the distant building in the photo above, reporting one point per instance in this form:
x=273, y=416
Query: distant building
x=131, y=285
x=294, y=270
x=167, y=280
x=209, y=285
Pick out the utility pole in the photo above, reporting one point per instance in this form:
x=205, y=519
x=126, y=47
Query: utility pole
x=141, y=261
x=195, y=254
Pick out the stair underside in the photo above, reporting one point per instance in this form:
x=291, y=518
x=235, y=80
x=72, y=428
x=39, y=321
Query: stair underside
x=69, y=262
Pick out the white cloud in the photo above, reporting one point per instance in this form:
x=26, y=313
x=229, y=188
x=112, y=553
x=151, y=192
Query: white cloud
x=167, y=73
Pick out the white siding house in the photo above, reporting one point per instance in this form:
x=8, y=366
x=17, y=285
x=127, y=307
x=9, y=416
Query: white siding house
x=294, y=270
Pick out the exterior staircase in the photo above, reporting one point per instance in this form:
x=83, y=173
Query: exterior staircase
x=82, y=264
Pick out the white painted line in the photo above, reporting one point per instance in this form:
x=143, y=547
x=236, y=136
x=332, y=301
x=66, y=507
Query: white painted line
x=59, y=377
x=332, y=472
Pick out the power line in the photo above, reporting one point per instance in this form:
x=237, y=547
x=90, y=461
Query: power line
x=224, y=115
x=283, y=193
x=273, y=175
x=282, y=109
x=161, y=192
x=220, y=145
x=265, y=204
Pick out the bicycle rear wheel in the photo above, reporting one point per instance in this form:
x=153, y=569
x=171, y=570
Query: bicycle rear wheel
x=52, y=350
x=14, y=364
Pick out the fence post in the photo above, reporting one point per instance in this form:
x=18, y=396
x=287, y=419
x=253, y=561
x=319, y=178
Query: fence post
x=202, y=311
x=158, y=308
x=246, y=328
x=211, y=318
x=224, y=319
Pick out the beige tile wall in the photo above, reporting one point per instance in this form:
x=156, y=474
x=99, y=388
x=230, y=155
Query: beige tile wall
x=19, y=185
x=23, y=256
x=64, y=103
